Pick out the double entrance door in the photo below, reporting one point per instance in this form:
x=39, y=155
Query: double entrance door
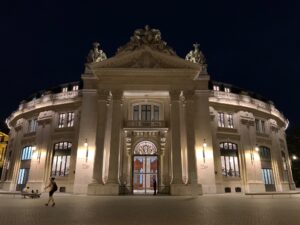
x=145, y=170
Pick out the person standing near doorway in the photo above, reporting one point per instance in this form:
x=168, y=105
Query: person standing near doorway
x=53, y=188
x=154, y=185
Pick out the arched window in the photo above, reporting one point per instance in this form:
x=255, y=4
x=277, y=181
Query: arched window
x=146, y=112
x=284, y=167
x=145, y=148
x=229, y=159
x=61, y=159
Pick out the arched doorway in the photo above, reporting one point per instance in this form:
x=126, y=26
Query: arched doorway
x=145, y=167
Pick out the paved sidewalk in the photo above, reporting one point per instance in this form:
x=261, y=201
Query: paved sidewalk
x=151, y=210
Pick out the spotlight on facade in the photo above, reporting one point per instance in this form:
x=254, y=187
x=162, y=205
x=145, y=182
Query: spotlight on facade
x=256, y=148
x=203, y=150
x=294, y=157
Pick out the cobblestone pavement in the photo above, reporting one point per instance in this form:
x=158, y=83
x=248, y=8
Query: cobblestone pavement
x=151, y=210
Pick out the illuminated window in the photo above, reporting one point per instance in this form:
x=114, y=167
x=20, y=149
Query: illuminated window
x=229, y=120
x=216, y=88
x=227, y=90
x=221, y=119
x=23, y=176
x=65, y=89
x=229, y=159
x=70, y=120
x=61, y=120
x=61, y=159
x=26, y=153
x=75, y=88
x=284, y=167
x=66, y=119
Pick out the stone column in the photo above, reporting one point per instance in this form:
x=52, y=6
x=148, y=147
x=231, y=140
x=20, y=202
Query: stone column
x=97, y=178
x=190, y=133
x=177, y=187
x=205, y=157
x=87, y=132
x=112, y=180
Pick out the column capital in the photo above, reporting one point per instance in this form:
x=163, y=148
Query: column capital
x=188, y=94
x=174, y=94
x=103, y=94
x=117, y=94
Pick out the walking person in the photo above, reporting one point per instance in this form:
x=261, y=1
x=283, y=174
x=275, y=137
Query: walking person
x=154, y=185
x=53, y=188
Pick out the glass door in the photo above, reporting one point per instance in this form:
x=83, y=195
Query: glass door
x=145, y=170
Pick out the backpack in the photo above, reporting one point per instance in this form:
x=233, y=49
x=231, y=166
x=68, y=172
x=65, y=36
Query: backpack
x=54, y=188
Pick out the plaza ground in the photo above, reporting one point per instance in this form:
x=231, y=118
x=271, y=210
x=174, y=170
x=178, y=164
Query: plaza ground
x=225, y=209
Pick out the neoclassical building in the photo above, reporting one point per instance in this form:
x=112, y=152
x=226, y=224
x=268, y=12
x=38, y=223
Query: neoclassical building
x=147, y=114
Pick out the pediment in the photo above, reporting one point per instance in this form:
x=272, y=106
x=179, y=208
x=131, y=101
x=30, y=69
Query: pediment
x=144, y=57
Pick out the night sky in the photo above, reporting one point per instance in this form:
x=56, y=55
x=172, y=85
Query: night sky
x=253, y=46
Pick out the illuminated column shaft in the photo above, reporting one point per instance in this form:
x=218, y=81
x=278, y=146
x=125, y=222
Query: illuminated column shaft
x=101, y=128
x=190, y=133
x=175, y=137
x=206, y=170
x=87, y=132
x=115, y=137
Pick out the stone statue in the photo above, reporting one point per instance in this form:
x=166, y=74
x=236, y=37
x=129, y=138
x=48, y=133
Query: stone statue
x=196, y=56
x=149, y=37
x=96, y=54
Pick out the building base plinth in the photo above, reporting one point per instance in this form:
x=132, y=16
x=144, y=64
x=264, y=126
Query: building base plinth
x=103, y=189
x=186, y=189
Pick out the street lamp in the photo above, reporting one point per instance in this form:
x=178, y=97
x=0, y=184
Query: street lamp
x=86, y=145
x=294, y=157
x=203, y=150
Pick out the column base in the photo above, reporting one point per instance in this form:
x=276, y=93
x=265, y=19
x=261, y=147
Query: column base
x=186, y=189
x=103, y=189
x=256, y=187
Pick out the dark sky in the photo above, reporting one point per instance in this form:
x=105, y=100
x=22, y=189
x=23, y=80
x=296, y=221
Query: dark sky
x=251, y=45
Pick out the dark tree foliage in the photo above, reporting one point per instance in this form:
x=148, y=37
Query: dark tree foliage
x=293, y=142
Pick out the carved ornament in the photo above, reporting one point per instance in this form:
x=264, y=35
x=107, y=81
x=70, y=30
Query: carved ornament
x=96, y=54
x=146, y=37
x=196, y=56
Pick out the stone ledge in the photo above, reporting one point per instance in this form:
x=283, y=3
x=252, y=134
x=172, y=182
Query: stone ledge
x=186, y=189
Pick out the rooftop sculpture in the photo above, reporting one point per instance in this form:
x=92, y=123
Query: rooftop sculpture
x=96, y=54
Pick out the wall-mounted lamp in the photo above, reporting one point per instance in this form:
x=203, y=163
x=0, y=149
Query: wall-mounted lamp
x=203, y=150
x=86, y=145
x=294, y=157
x=256, y=148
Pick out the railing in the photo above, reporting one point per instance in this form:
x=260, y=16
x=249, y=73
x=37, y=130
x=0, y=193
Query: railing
x=142, y=123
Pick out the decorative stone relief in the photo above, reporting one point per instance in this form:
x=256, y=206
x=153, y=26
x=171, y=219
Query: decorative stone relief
x=247, y=118
x=145, y=148
x=196, y=56
x=45, y=116
x=19, y=124
x=174, y=94
x=146, y=37
x=96, y=54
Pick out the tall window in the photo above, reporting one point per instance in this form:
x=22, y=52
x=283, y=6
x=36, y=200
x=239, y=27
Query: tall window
x=65, y=89
x=229, y=159
x=23, y=176
x=264, y=153
x=146, y=112
x=61, y=159
x=260, y=126
x=70, y=121
x=61, y=120
x=230, y=121
x=284, y=166
x=26, y=153
x=266, y=168
x=221, y=119
x=222, y=122
x=136, y=112
x=32, y=125
x=66, y=119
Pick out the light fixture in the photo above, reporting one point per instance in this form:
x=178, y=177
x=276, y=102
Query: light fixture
x=86, y=145
x=257, y=148
x=203, y=150
x=294, y=157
